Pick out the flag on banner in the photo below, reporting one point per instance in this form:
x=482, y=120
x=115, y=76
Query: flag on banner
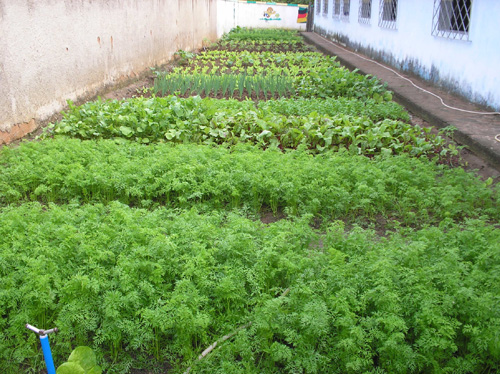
x=302, y=17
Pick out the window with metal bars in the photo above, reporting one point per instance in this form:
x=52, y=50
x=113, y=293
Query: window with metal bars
x=336, y=9
x=325, y=6
x=388, y=13
x=318, y=6
x=365, y=11
x=346, y=9
x=451, y=19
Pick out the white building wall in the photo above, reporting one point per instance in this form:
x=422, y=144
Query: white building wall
x=52, y=51
x=231, y=13
x=469, y=68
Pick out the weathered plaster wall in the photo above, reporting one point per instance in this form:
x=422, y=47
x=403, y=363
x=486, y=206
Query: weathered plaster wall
x=468, y=68
x=55, y=50
x=232, y=13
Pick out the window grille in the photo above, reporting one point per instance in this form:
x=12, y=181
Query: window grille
x=336, y=8
x=341, y=9
x=388, y=13
x=365, y=11
x=346, y=9
x=325, y=6
x=451, y=19
x=318, y=6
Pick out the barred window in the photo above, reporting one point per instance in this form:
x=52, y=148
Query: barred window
x=388, y=13
x=336, y=8
x=325, y=6
x=451, y=19
x=346, y=9
x=365, y=11
x=318, y=6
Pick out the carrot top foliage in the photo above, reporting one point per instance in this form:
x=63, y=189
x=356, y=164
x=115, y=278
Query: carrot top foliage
x=320, y=233
x=334, y=185
x=165, y=284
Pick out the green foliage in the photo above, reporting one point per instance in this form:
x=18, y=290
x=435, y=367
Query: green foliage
x=159, y=284
x=70, y=368
x=334, y=185
x=81, y=361
x=277, y=35
x=291, y=61
x=262, y=45
x=184, y=56
x=370, y=108
x=208, y=85
x=406, y=303
x=165, y=284
x=325, y=82
x=315, y=237
x=143, y=120
x=313, y=74
x=205, y=121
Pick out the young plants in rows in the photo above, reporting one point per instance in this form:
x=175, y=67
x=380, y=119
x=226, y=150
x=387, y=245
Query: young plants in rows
x=265, y=211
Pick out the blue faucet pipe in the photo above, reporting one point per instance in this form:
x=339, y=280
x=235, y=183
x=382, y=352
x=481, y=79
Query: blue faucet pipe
x=44, y=340
x=47, y=354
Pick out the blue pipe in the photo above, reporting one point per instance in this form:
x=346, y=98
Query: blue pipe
x=47, y=354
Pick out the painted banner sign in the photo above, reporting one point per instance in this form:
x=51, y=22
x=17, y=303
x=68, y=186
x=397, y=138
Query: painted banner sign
x=271, y=15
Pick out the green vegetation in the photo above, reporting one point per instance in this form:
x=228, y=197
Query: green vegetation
x=81, y=361
x=165, y=284
x=226, y=84
x=260, y=40
x=311, y=74
x=315, y=233
x=335, y=185
x=207, y=121
x=375, y=110
x=262, y=45
x=276, y=35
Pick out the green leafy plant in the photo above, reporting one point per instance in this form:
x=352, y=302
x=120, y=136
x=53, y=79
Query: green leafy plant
x=81, y=361
x=184, y=56
x=159, y=286
x=204, y=120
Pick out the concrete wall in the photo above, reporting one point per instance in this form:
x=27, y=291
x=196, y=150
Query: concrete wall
x=232, y=13
x=55, y=50
x=468, y=68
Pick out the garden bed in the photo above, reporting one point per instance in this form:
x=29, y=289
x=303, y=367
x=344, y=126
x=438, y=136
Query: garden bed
x=320, y=232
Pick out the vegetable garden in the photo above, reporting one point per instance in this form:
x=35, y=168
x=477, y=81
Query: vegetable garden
x=264, y=198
